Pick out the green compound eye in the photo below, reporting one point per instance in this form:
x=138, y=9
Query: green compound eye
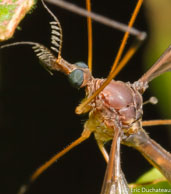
x=76, y=78
x=81, y=64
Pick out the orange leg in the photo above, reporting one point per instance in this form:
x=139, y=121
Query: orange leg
x=86, y=134
x=130, y=53
x=103, y=150
x=126, y=35
x=156, y=122
x=90, y=37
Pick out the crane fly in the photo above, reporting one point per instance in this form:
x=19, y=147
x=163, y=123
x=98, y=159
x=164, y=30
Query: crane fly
x=114, y=107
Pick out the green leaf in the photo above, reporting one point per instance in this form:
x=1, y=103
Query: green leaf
x=150, y=183
x=160, y=188
x=158, y=19
x=11, y=13
x=150, y=176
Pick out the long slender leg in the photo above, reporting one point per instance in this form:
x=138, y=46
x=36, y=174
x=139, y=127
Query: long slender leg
x=131, y=51
x=156, y=122
x=90, y=36
x=103, y=150
x=86, y=133
x=126, y=35
x=80, y=108
x=98, y=18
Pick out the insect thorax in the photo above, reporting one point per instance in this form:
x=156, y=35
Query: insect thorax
x=118, y=105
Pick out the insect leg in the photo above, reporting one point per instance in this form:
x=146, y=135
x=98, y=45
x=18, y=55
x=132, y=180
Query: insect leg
x=86, y=134
x=125, y=38
x=103, y=150
x=90, y=36
x=129, y=54
x=97, y=17
x=156, y=122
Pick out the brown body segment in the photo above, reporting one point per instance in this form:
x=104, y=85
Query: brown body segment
x=119, y=104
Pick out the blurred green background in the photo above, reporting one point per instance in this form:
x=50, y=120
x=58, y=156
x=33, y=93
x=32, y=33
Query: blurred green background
x=158, y=14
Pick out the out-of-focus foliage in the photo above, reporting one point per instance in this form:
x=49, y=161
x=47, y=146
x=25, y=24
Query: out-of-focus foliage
x=158, y=14
x=151, y=182
x=11, y=13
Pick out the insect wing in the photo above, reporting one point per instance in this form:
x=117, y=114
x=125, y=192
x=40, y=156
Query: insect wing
x=152, y=151
x=118, y=187
x=117, y=183
x=162, y=65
